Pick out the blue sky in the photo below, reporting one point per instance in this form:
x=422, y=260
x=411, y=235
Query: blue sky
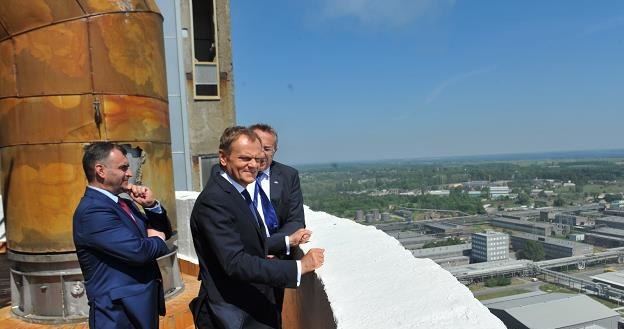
x=353, y=80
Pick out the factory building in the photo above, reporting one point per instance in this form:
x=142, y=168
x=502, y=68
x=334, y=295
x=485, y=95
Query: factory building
x=490, y=246
x=523, y=225
x=611, y=221
x=446, y=256
x=552, y=311
x=553, y=248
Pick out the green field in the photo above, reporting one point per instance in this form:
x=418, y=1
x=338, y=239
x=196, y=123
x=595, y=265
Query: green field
x=502, y=294
x=603, y=188
x=549, y=287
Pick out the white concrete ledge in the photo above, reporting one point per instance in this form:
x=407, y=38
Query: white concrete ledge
x=371, y=281
x=185, y=200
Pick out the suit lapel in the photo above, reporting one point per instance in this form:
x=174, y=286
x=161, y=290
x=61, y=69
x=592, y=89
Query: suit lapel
x=139, y=224
x=125, y=219
x=276, y=183
x=241, y=203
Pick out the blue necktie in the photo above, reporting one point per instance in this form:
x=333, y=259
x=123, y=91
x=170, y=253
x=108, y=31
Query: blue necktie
x=270, y=218
x=250, y=203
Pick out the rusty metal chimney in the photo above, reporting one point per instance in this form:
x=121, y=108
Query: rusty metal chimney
x=73, y=72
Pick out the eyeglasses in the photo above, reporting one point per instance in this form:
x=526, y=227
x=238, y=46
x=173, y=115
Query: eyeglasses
x=269, y=149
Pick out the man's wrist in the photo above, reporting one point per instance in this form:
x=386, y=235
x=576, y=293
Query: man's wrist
x=152, y=205
x=155, y=208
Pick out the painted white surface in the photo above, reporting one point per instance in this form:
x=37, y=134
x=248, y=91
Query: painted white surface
x=371, y=281
x=184, y=206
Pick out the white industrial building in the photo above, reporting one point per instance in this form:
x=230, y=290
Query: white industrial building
x=490, y=246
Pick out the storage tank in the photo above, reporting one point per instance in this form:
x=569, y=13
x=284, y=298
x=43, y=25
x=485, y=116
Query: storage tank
x=73, y=72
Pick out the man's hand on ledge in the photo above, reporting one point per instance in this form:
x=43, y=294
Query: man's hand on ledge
x=301, y=236
x=312, y=260
x=153, y=232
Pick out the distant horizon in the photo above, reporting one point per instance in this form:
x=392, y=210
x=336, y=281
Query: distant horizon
x=519, y=156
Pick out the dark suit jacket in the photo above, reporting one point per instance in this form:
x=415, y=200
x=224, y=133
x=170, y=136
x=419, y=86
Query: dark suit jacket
x=118, y=262
x=287, y=200
x=237, y=278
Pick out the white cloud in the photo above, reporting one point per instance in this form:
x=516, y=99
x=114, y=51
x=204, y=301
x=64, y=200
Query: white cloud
x=440, y=88
x=387, y=13
x=603, y=26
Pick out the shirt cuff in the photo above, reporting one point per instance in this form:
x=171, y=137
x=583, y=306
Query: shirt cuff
x=157, y=209
x=298, y=273
x=287, y=240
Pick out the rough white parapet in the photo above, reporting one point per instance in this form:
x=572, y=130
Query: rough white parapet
x=371, y=281
x=184, y=206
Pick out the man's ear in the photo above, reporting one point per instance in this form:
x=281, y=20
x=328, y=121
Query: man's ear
x=99, y=171
x=222, y=158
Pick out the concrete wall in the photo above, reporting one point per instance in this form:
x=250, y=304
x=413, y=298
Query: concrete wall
x=208, y=118
x=196, y=125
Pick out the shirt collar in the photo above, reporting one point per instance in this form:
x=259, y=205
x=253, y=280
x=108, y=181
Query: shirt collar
x=267, y=172
x=105, y=192
x=251, y=188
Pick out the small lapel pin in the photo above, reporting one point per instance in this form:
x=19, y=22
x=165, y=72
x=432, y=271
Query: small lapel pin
x=275, y=182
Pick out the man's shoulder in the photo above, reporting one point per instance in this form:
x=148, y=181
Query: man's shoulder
x=216, y=188
x=92, y=197
x=283, y=169
x=92, y=202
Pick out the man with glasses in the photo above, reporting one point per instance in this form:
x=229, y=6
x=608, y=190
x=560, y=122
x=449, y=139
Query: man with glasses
x=281, y=183
x=230, y=239
x=117, y=245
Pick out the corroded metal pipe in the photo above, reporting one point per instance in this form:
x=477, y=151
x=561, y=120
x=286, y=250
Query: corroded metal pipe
x=73, y=72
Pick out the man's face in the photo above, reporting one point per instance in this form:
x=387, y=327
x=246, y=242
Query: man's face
x=114, y=172
x=243, y=161
x=268, y=146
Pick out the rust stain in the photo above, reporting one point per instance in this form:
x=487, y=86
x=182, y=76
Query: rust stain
x=136, y=118
x=59, y=71
x=8, y=85
x=53, y=60
x=20, y=15
x=103, y=6
x=67, y=119
x=128, y=54
x=46, y=183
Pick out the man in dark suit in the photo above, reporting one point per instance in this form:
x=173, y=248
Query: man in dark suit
x=230, y=239
x=281, y=182
x=117, y=245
